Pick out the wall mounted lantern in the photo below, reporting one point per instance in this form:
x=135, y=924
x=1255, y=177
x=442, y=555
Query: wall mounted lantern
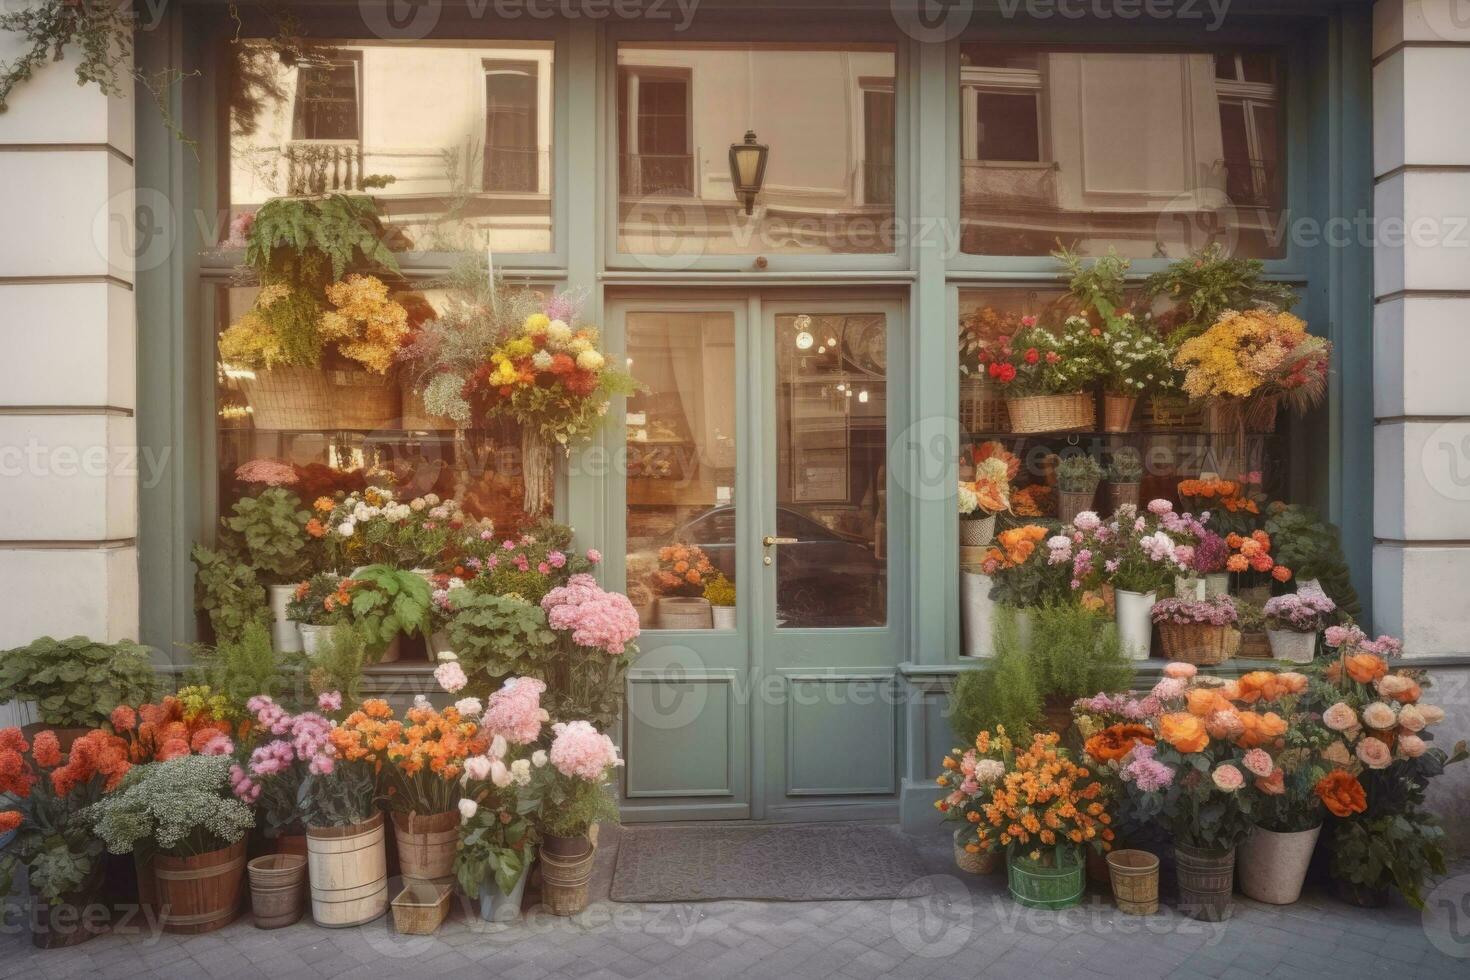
x=748, y=168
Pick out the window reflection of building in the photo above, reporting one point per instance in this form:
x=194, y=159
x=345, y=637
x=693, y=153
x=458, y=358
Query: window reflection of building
x=455, y=142
x=826, y=112
x=1117, y=149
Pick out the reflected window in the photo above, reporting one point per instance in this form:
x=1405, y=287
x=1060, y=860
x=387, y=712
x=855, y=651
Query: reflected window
x=825, y=111
x=454, y=140
x=1129, y=150
x=831, y=470
x=681, y=468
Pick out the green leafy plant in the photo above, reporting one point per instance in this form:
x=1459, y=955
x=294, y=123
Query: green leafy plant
x=495, y=842
x=1125, y=466
x=1312, y=549
x=318, y=601
x=227, y=589
x=1101, y=283
x=272, y=534
x=182, y=807
x=240, y=668
x=1209, y=282
x=339, y=663
x=1078, y=473
x=1070, y=653
x=500, y=636
x=76, y=682
x=388, y=601
x=291, y=236
x=720, y=591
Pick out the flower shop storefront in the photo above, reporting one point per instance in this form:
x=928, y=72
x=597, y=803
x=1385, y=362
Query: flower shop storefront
x=783, y=294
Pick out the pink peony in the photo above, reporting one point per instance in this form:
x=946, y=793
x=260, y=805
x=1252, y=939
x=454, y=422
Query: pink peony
x=581, y=751
x=1228, y=778
x=450, y=676
x=1411, y=718
x=1380, y=716
x=594, y=556
x=1373, y=753
x=1258, y=761
x=1412, y=746
x=477, y=766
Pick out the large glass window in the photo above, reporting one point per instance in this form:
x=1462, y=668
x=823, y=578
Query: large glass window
x=1131, y=150
x=825, y=111
x=454, y=140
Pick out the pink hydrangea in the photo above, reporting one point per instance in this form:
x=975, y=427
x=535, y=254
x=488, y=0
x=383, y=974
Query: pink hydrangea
x=1169, y=688
x=1087, y=521
x=450, y=676
x=270, y=472
x=1143, y=770
x=1159, y=506
x=581, y=751
x=514, y=712
x=245, y=790
x=597, y=619
x=594, y=556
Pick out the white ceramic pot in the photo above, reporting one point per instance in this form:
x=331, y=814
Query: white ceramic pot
x=1271, y=866
x=1134, y=614
x=977, y=533
x=313, y=637
x=284, y=635
x=977, y=615
x=1217, y=583
x=1298, y=648
x=1310, y=585
x=1189, y=587
x=723, y=616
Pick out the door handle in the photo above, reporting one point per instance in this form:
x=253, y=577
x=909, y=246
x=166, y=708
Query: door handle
x=768, y=541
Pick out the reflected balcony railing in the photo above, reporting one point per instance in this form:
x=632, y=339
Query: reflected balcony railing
x=323, y=166
x=515, y=169
x=1028, y=184
x=663, y=174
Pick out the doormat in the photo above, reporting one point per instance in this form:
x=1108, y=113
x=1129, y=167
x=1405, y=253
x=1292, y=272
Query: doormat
x=773, y=863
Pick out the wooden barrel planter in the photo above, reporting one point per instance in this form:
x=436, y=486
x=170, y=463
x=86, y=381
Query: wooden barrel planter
x=566, y=873
x=348, y=869
x=73, y=918
x=277, y=889
x=426, y=846
x=200, y=893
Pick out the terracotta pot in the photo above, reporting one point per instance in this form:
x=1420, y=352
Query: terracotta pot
x=1272, y=865
x=1206, y=880
x=201, y=893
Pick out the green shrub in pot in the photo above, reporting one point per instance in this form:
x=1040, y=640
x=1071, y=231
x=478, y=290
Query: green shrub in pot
x=228, y=590
x=76, y=682
x=1125, y=466
x=271, y=530
x=387, y=601
x=1078, y=473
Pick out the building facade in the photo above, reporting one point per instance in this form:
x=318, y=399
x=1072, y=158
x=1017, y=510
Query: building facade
x=800, y=356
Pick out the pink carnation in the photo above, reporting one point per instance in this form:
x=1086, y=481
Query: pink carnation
x=581, y=751
x=1258, y=761
x=329, y=701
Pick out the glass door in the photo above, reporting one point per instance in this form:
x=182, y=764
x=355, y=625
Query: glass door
x=829, y=634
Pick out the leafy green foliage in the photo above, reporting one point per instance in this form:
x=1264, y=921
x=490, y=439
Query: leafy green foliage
x=76, y=682
x=243, y=667
x=272, y=533
x=500, y=636
x=569, y=807
x=387, y=601
x=1209, y=282
x=1312, y=548
x=1078, y=473
x=290, y=236
x=1125, y=466
x=1099, y=285
x=492, y=846
x=228, y=590
x=338, y=664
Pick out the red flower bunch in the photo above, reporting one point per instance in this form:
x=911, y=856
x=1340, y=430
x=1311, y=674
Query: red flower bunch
x=163, y=731
x=16, y=777
x=96, y=753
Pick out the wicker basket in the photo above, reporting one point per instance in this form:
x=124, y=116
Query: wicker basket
x=415, y=416
x=1201, y=644
x=1052, y=413
x=982, y=407
x=979, y=863
x=420, y=908
x=1254, y=646
x=315, y=398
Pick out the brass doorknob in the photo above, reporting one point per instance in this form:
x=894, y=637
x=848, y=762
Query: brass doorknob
x=768, y=540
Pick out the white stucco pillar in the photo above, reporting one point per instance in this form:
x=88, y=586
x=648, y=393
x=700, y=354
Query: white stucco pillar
x=68, y=479
x=1421, y=390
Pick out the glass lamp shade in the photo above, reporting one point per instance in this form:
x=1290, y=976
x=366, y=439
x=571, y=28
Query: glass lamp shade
x=748, y=169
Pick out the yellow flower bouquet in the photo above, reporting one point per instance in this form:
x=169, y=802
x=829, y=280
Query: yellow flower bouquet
x=1253, y=360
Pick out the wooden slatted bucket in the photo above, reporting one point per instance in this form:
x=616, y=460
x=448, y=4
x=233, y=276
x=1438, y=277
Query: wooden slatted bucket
x=426, y=846
x=277, y=889
x=200, y=893
x=348, y=868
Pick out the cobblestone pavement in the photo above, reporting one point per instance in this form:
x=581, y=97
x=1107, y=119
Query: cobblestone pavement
x=955, y=926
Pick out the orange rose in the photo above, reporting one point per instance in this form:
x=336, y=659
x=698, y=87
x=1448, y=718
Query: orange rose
x=1204, y=701
x=1341, y=793
x=1365, y=668
x=1184, y=731
x=1116, y=741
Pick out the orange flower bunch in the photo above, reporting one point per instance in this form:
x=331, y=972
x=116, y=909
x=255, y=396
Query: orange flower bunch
x=1014, y=546
x=97, y=753
x=1252, y=553
x=1032, y=501
x=1341, y=793
x=436, y=742
x=1217, y=494
x=163, y=731
x=16, y=777
x=1113, y=743
x=682, y=570
x=365, y=734
x=1269, y=685
x=1045, y=800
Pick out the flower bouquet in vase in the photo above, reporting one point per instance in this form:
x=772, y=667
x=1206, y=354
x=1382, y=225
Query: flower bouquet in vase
x=969, y=779
x=679, y=580
x=1293, y=622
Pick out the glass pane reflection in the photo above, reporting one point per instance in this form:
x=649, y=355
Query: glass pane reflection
x=1130, y=150
x=831, y=470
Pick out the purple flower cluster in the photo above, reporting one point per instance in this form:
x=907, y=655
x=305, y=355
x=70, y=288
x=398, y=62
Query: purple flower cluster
x=1146, y=772
x=1214, y=611
x=300, y=738
x=1124, y=706
x=1300, y=612
x=1355, y=639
